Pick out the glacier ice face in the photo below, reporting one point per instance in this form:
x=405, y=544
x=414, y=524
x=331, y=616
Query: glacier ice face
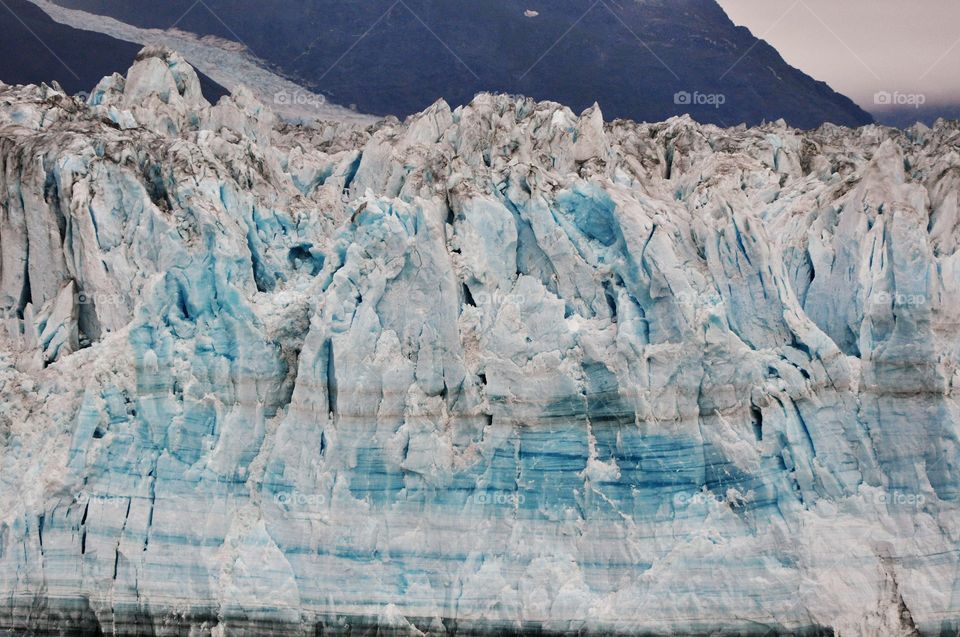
x=501, y=368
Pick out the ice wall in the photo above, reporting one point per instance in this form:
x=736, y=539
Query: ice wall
x=497, y=369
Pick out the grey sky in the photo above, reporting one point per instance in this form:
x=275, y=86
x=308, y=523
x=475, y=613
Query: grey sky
x=860, y=47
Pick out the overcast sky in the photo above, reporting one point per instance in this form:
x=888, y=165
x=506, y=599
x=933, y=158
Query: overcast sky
x=860, y=47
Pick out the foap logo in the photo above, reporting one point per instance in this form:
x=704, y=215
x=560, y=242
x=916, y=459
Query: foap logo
x=899, y=299
x=298, y=98
x=84, y=297
x=900, y=499
x=696, y=98
x=885, y=98
x=297, y=505
x=685, y=498
x=298, y=500
x=498, y=298
x=84, y=499
x=500, y=498
x=693, y=299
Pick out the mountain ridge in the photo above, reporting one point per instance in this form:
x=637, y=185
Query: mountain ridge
x=398, y=57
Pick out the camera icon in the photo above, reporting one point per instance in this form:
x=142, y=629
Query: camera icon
x=482, y=498
x=882, y=98
x=682, y=98
x=281, y=97
x=84, y=298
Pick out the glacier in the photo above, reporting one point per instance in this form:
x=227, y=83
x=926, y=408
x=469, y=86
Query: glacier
x=499, y=369
x=226, y=62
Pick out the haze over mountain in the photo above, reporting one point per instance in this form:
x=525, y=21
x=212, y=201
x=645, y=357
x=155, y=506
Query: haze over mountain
x=397, y=57
x=906, y=116
x=867, y=49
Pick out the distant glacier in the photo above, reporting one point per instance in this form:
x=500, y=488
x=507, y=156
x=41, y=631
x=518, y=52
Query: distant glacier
x=498, y=369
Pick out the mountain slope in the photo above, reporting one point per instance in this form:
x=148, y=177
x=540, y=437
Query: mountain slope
x=904, y=117
x=36, y=49
x=495, y=370
x=632, y=57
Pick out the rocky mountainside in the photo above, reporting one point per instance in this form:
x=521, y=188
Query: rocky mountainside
x=497, y=369
x=397, y=57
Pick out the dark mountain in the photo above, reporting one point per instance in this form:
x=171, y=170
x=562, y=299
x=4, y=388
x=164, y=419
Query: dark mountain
x=34, y=49
x=398, y=56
